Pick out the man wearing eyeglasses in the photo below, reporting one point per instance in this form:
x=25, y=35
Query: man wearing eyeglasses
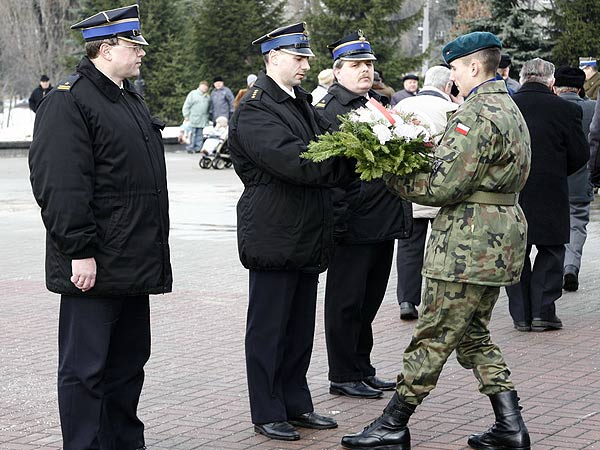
x=98, y=173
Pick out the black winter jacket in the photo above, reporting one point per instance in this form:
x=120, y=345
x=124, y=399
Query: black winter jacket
x=98, y=172
x=37, y=96
x=365, y=212
x=558, y=148
x=285, y=219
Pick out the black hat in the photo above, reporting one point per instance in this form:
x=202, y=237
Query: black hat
x=352, y=47
x=123, y=23
x=215, y=79
x=505, y=61
x=290, y=39
x=410, y=76
x=567, y=76
x=44, y=78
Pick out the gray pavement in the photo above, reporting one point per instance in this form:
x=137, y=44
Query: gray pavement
x=195, y=396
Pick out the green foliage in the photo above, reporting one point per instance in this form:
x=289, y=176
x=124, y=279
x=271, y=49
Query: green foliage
x=357, y=140
x=223, y=32
x=167, y=68
x=574, y=28
x=519, y=28
x=380, y=21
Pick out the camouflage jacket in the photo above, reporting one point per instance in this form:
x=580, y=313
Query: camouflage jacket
x=485, y=147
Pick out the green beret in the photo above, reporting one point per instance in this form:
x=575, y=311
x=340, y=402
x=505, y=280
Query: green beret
x=469, y=43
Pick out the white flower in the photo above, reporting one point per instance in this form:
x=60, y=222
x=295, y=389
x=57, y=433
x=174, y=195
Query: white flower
x=410, y=132
x=363, y=115
x=382, y=132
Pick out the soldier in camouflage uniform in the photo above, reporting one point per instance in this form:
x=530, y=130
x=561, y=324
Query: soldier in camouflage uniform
x=477, y=244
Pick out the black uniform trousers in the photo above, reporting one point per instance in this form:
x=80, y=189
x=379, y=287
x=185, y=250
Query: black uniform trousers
x=279, y=340
x=103, y=344
x=409, y=262
x=540, y=285
x=357, y=279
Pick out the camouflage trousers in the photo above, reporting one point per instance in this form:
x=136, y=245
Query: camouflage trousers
x=454, y=316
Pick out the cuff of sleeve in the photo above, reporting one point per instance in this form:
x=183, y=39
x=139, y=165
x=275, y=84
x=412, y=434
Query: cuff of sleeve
x=87, y=252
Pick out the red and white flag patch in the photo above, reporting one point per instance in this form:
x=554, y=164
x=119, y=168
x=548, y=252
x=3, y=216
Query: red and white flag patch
x=462, y=129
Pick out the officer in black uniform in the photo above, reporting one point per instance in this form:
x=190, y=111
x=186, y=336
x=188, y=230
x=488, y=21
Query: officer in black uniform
x=285, y=232
x=98, y=173
x=368, y=219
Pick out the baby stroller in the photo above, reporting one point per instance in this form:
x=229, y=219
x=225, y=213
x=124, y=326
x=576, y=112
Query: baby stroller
x=214, y=149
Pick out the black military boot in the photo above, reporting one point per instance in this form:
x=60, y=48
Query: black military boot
x=389, y=431
x=509, y=432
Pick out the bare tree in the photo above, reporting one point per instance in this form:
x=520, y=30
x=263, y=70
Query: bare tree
x=34, y=39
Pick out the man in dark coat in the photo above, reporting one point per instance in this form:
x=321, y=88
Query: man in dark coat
x=39, y=93
x=568, y=86
x=98, y=173
x=558, y=149
x=285, y=232
x=594, y=139
x=368, y=220
x=411, y=88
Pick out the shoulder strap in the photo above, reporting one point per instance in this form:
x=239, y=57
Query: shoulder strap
x=323, y=102
x=255, y=94
x=67, y=84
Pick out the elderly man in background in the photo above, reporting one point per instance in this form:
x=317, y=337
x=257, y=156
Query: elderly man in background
x=558, y=149
x=222, y=99
x=568, y=86
x=196, y=112
x=410, y=83
x=431, y=106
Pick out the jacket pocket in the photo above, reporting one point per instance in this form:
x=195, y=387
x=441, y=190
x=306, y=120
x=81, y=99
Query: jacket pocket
x=438, y=245
x=114, y=231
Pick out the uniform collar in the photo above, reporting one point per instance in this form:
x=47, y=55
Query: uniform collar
x=267, y=84
x=101, y=81
x=345, y=96
x=479, y=86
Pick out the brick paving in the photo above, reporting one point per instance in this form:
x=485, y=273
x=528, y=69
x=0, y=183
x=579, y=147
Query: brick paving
x=195, y=396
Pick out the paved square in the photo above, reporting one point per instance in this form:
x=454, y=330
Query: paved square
x=195, y=395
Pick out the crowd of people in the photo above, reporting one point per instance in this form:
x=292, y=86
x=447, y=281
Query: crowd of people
x=511, y=171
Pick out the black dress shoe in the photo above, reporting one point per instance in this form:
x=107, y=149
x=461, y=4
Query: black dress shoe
x=356, y=389
x=278, y=430
x=378, y=383
x=522, y=326
x=408, y=311
x=314, y=421
x=570, y=282
x=538, y=324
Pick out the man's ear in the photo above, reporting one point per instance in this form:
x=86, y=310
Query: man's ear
x=105, y=51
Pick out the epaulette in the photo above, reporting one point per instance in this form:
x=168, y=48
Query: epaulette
x=67, y=84
x=323, y=102
x=255, y=94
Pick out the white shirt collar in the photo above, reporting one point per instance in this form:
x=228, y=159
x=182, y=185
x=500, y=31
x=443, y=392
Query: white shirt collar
x=284, y=89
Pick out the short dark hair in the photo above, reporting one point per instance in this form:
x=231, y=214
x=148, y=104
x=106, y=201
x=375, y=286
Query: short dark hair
x=92, y=48
x=489, y=58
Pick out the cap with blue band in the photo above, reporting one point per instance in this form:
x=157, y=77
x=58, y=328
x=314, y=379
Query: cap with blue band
x=353, y=46
x=123, y=23
x=290, y=39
